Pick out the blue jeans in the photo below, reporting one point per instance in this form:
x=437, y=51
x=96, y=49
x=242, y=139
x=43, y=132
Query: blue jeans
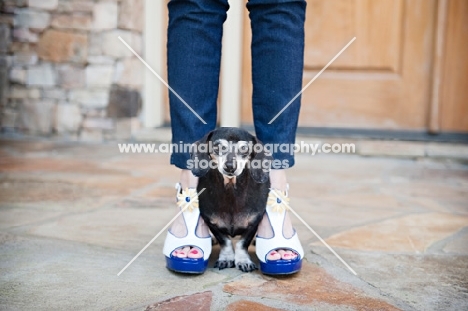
x=193, y=59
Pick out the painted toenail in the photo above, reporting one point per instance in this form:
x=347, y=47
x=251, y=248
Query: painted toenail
x=194, y=251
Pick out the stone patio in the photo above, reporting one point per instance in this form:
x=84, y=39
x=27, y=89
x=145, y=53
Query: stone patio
x=73, y=215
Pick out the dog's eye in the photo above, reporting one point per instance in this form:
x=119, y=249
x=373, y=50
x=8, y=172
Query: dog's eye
x=219, y=149
x=243, y=150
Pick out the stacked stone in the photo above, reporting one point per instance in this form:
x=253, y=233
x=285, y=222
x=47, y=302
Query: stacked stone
x=63, y=70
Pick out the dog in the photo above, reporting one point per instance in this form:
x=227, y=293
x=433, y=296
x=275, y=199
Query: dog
x=236, y=186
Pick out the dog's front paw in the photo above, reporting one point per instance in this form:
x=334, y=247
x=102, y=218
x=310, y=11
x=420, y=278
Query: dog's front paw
x=222, y=264
x=226, y=257
x=246, y=266
x=243, y=261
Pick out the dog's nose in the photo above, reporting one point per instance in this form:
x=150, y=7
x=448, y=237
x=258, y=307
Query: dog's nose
x=229, y=167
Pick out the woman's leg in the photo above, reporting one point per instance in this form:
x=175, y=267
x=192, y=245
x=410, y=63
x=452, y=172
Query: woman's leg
x=193, y=60
x=277, y=66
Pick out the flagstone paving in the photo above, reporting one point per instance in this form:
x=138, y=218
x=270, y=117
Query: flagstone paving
x=73, y=215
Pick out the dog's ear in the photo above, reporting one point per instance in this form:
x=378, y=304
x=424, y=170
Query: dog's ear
x=260, y=163
x=201, y=153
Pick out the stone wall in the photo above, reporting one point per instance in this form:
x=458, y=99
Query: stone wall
x=63, y=70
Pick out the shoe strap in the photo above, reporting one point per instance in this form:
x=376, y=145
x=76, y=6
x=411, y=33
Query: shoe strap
x=188, y=197
x=278, y=200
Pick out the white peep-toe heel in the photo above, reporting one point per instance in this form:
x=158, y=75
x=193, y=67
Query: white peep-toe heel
x=277, y=206
x=191, y=216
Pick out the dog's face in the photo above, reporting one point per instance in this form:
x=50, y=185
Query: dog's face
x=232, y=151
x=231, y=157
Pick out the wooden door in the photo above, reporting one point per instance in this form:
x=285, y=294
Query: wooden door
x=451, y=113
x=382, y=81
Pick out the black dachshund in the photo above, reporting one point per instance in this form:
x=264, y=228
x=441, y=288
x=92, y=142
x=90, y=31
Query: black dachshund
x=233, y=167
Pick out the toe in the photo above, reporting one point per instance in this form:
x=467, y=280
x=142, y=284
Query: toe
x=284, y=254
x=187, y=252
x=183, y=252
x=287, y=255
x=195, y=252
x=177, y=252
x=273, y=255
